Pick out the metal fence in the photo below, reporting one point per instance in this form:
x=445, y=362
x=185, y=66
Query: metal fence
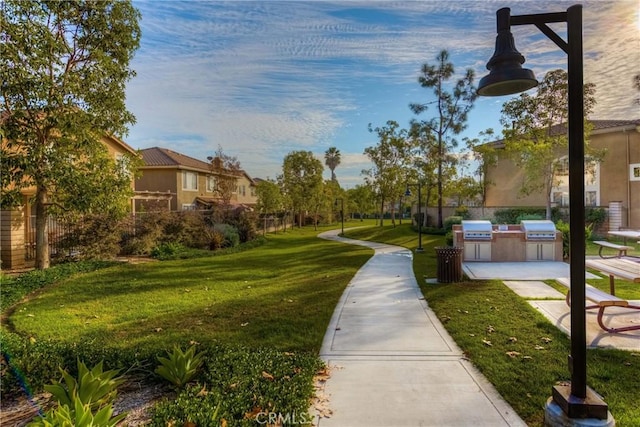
x=57, y=231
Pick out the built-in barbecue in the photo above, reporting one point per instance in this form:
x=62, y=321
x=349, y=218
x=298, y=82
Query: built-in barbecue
x=538, y=229
x=476, y=230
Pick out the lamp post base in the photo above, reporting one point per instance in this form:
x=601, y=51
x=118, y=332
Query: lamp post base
x=564, y=409
x=419, y=250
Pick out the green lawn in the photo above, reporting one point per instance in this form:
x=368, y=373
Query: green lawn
x=515, y=347
x=280, y=295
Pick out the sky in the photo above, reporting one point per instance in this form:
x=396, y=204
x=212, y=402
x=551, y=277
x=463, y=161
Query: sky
x=261, y=79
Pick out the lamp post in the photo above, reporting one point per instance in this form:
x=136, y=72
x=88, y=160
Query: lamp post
x=508, y=77
x=341, y=212
x=408, y=193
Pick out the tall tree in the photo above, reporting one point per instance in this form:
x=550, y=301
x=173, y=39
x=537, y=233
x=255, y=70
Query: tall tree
x=535, y=133
x=332, y=160
x=391, y=159
x=301, y=181
x=64, y=68
x=361, y=199
x=485, y=156
x=269, y=197
x=226, y=170
x=451, y=110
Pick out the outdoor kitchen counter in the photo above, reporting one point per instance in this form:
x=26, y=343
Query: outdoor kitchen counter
x=511, y=245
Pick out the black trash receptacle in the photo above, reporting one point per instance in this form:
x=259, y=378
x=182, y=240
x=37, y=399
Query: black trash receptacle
x=449, y=260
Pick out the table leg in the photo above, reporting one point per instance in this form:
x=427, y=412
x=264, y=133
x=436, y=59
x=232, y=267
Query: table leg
x=612, y=285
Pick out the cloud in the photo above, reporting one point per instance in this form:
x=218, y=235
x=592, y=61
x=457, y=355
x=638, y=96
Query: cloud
x=265, y=78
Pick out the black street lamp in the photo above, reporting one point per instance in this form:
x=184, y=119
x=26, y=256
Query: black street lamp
x=408, y=193
x=507, y=77
x=341, y=212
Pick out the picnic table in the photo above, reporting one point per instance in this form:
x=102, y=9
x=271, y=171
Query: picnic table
x=626, y=234
x=616, y=267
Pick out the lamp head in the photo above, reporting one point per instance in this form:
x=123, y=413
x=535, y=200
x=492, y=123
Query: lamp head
x=506, y=75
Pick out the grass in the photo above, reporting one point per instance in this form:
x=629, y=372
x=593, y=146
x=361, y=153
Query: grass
x=281, y=295
x=520, y=352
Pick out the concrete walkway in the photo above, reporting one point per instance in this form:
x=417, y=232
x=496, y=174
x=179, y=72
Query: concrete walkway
x=392, y=362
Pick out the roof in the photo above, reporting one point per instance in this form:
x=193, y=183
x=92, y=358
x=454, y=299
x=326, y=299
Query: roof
x=156, y=156
x=162, y=157
x=599, y=126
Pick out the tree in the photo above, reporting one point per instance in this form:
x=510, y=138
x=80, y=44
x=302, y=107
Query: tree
x=391, y=159
x=361, y=199
x=226, y=170
x=63, y=89
x=452, y=108
x=301, y=180
x=486, y=156
x=332, y=160
x=269, y=197
x=535, y=134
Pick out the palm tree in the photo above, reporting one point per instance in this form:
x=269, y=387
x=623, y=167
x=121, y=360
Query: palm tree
x=332, y=160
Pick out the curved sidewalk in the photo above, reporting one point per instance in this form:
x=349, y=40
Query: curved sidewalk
x=392, y=362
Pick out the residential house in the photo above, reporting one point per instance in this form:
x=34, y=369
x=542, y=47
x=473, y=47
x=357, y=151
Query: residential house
x=614, y=183
x=17, y=225
x=193, y=181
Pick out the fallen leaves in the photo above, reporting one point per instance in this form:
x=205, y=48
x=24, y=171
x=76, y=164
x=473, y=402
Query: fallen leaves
x=487, y=343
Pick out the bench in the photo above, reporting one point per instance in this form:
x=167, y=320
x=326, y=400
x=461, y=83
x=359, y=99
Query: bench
x=601, y=301
x=622, y=249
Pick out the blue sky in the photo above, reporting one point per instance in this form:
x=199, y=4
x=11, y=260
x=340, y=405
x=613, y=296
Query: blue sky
x=262, y=79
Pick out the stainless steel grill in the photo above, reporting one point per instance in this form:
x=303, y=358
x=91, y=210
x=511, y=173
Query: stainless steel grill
x=538, y=229
x=476, y=230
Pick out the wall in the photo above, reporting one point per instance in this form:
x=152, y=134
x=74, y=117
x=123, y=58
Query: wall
x=623, y=148
x=12, y=238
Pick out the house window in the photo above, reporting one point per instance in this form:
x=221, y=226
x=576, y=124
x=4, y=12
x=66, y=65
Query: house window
x=212, y=184
x=189, y=181
x=188, y=207
x=560, y=193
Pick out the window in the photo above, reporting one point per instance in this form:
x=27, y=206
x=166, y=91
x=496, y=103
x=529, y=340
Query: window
x=212, y=184
x=189, y=181
x=188, y=207
x=560, y=192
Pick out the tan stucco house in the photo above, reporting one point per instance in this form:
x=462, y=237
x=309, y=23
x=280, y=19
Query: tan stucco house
x=614, y=183
x=192, y=181
x=17, y=225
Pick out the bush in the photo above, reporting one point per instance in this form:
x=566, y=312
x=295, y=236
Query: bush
x=245, y=223
x=450, y=221
x=463, y=211
x=236, y=381
x=167, y=250
x=230, y=234
x=530, y=216
x=513, y=215
x=94, y=236
x=180, y=367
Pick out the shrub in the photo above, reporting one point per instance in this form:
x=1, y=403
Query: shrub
x=463, y=211
x=181, y=366
x=513, y=215
x=230, y=233
x=167, y=250
x=80, y=415
x=595, y=216
x=95, y=388
x=95, y=236
x=245, y=223
x=529, y=216
x=450, y=221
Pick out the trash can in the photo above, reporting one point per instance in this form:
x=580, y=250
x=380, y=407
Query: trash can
x=449, y=259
